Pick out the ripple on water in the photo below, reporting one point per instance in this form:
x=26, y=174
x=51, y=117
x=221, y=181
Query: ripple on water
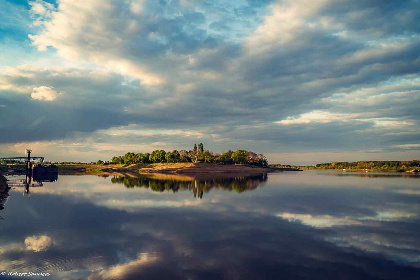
x=58, y=262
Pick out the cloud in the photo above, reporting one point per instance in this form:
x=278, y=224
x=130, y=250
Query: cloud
x=407, y=146
x=13, y=247
x=134, y=42
x=325, y=221
x=124, y=270
x=40, y=11
x=320, y=221
x=38, y=243
x=318, y=117
x=44, y=93
x=283, y=75
x=287, y=21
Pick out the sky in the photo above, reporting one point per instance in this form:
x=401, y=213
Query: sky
x=301, y=81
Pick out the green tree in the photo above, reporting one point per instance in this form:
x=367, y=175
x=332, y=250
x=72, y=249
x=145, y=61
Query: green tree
x=194, y=154
x=146, y=157
x=226, y=158
x=142, y=158
x=117, y=160
x=169, y=157
x=262, y=160
x=176, y=155
x=239, y=156
x=208, y=156
x=183, y=156
x=229, y=157
x=157, y=156
x=129, y=158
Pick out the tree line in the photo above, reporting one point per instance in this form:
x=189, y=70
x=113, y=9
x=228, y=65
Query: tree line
x=397, y=166
x=197, y=154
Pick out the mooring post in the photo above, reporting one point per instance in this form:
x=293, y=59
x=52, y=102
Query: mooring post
x=29, y=164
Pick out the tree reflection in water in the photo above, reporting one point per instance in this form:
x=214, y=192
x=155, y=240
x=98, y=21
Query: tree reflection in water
x=196, y=186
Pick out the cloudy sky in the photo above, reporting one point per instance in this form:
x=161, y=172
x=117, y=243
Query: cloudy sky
x=300, y=81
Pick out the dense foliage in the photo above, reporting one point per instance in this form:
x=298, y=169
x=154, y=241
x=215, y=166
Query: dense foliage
x=399, y=166
x=197, y=154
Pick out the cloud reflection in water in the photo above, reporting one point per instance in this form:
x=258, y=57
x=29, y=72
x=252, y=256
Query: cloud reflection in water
x=297, y=226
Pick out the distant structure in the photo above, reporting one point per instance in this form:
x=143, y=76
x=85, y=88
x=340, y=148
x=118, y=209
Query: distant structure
x=35, y=170
x=28, y=158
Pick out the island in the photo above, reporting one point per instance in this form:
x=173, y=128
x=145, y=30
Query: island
x=197, y=162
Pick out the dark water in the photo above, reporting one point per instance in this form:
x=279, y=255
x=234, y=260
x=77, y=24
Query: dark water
x=297, y=225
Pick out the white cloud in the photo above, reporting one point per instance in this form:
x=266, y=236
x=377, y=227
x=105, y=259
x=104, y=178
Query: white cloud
x=133, y=205
x=319, y=221
x=75, y=37
x=323, y=221
x=285, y=23
x=38, y=243
x=407, y=146
x=40, y=7
x=391, y=215
x=124, y=270
x=44, y=93
x=136, y=6
x=318, y=117
x=12, y=248
x=40, y=11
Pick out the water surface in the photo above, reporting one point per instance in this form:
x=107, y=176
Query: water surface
x=291, y=225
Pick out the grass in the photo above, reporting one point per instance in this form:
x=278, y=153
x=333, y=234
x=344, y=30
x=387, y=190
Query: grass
x=94, y=169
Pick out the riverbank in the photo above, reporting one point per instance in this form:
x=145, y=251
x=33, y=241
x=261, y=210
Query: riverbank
x=191, y=169
x=411, y=166
x=376, y=170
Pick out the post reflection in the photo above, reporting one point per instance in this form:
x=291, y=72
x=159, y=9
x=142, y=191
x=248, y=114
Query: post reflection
x=32, y=180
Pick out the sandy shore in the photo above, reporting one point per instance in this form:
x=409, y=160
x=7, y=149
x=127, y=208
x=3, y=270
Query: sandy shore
x=187, y=169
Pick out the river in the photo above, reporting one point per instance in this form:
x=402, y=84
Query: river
x=290, y=225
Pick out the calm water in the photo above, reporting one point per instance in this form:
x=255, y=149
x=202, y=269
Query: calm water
x=297, y=225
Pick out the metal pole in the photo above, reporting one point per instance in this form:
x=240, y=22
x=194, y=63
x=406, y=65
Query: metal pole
x=29, y=154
